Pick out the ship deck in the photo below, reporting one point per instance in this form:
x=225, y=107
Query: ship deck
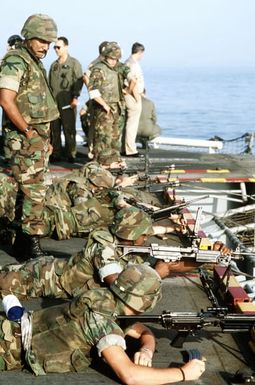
x=225, y=353
x=193, y=166
x=188, y=166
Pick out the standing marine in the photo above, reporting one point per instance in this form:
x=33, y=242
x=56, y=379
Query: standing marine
x=28, y=108
x=106, y=93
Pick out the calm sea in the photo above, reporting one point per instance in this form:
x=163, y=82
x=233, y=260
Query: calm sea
x=203, y=102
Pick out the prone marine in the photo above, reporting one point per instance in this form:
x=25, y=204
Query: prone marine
x=60, y=339
x=97, y=264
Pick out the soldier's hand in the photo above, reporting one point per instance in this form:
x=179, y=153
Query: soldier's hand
x=193, y=369
x=29, y=134
x=74, y=103
x=107, y=108
x=178, y=219
x=220, y=246
x=143, y=357
x=181, y=228
x=166, y=269
x=82, y=111
x=124, y=181
x=50, y=149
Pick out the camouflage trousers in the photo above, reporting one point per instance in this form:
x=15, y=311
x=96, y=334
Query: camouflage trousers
x=8, y=196
x=106, y=139
x=47, y=277
x=78, y=220
x=29, y=162
x=11, y=356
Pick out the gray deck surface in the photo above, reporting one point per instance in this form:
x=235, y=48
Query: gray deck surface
x=225, y=354
x=235, y=166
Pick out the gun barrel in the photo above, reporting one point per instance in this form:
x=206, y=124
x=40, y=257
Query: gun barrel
x=161, y=213
x=192, y=321
x=238, y=254
x=141, y=318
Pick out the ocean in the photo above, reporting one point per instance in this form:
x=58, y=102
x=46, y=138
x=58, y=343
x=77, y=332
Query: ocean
x=200, y=103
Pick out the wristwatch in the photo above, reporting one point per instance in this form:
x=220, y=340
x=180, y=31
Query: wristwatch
x=28, y=128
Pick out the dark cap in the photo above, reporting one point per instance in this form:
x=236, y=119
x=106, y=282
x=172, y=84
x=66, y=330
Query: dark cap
x=13, y=39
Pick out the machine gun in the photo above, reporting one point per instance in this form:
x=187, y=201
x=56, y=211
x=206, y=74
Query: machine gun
x=176, y=253
x=126, y=171
x=159, y=214
x=145, y=168
x=186, y=323
x=154, y=187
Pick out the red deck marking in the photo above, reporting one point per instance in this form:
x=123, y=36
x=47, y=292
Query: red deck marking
x=235, y=295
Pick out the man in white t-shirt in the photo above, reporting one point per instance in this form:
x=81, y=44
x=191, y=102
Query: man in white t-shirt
x=133, y=100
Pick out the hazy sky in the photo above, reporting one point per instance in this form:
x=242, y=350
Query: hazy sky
x=174, y=32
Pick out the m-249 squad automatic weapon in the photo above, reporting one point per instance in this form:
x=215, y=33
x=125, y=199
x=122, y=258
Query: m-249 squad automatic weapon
x=164, y=213
x=186, y=323
x=151, y=186
x=176, y=253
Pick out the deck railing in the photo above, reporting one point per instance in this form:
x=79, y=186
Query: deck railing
x=213, y=146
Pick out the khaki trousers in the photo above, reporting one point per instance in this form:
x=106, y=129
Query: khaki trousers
x=134, y=109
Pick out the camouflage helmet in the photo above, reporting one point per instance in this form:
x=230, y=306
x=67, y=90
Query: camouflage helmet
x=101, y=177
x=111, y=49
x=96, y=174
x=41, y=27
x=138, y=286
x=130, y=223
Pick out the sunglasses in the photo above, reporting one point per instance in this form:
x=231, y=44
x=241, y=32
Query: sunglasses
x=57, y=47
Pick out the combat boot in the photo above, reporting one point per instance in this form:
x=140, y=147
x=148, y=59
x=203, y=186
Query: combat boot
x=26, y=247
x=34, y=249
x=20, y=246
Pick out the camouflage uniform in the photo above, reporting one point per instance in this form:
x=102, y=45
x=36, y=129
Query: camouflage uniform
x=63, y=336
x=22, y=73
x=104, y=82
x=78, y=203
x=72, y=208
x=85, y=199
x=8, y=196
x=65, y=278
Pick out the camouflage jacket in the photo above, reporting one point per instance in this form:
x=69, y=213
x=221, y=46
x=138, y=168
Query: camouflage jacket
x=99, y=258
x=23, y=73
x=124, y=74
x=104, y=81
x=64, y=335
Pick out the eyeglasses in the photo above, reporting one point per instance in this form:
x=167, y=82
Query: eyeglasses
x=57, y=47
